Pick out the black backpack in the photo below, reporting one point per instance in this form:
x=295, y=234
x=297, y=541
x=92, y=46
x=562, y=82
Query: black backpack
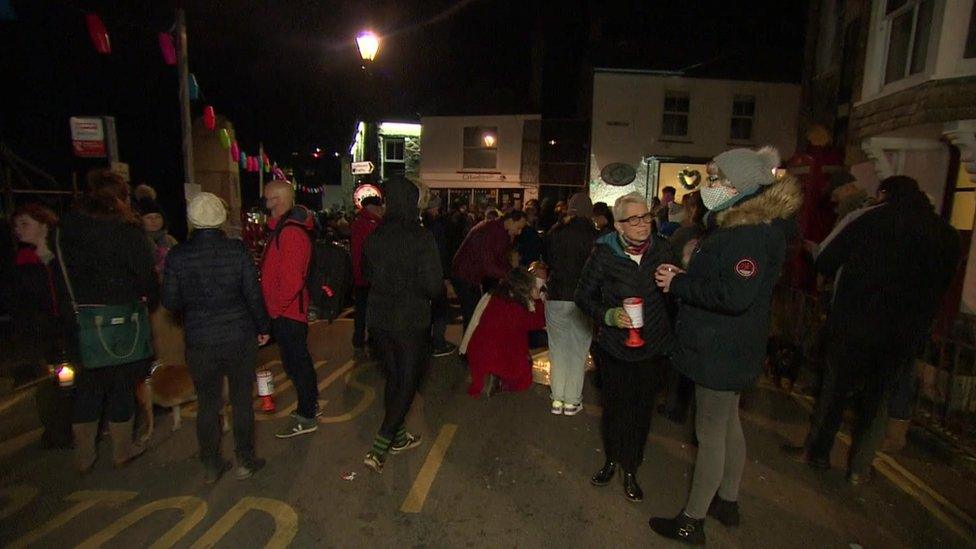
x=329, y=276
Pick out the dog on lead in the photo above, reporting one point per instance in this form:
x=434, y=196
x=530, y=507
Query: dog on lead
x=168, y=386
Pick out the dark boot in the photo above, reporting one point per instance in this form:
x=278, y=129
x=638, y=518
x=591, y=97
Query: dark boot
x=682, y=528
x=631, y=489
x=215, y=468
x=726, y=512
x=801, y=455
x=603, y=476
x=85, y=453
x=123, y=449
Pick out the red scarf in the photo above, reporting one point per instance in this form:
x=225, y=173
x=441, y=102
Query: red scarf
x=634, y=248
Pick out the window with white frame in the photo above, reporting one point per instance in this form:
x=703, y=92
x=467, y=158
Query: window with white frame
x=909, y=24
x=674, y=122
x=480, y=148
x=743, y=113
x=393, y=149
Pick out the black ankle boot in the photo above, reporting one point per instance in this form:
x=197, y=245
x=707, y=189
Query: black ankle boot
x=726, y=512
x=603, y=476
x=682, y=528
x=631, y=489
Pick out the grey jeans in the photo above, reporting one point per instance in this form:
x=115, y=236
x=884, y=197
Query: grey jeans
x=570, y=333
x=721, y=450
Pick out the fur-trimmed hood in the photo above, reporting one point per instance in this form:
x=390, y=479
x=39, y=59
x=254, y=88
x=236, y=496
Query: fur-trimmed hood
x=777, y=201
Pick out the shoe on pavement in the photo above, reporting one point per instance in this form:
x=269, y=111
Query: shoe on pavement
x=409, y=441
x=557, y=407
x=858, y=479
x=212, y=472
x=444, y=350
x=572, y=409
x=682, y=528
x=374, y=461
x=298, y=426
x=632, y=490
x=724, y=511
x=603, y=476
x=247, y=469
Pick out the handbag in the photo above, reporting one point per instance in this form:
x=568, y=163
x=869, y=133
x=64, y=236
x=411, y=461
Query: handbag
x=108, y=335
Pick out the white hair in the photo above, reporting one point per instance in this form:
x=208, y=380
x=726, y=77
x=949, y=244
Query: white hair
x=621, y=204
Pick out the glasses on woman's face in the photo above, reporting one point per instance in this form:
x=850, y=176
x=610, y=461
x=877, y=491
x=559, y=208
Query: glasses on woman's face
x=636, y=220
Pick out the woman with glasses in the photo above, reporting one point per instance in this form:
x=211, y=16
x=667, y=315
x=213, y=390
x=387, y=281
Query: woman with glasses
x=621, y=267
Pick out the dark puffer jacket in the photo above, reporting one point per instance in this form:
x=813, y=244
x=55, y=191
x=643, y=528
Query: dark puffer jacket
x=609, y=277
x=567, y=248
x=211, y=279
x=723, y=316
x=401, y=264
x=109, y=262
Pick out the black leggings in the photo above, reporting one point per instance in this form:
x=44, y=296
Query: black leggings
x=405, y=356
x=113, y=386
x=629, y=389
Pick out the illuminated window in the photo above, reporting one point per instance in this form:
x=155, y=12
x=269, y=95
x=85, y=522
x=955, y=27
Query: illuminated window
x=480, y=148
x=909, y=24
x=743, y=112
x=963, y=201
x=675, y=120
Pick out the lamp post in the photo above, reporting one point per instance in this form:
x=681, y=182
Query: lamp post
x=369, y=44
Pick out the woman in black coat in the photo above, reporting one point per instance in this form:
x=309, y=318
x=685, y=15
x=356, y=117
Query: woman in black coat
x=622, y=266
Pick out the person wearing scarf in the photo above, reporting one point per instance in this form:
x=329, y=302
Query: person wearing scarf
x=622, y=266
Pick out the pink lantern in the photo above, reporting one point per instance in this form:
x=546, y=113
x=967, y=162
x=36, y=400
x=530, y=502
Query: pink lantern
x=235, y=150
x=167, y=48
x=209, y=118
x=98, y=34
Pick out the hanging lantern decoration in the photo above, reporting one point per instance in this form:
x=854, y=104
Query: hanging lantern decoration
x=224, y=138
x=235, y=150
x=194, y=87
x=278, y=173
x=267, y=167
x=252, y=164
x=209, y=118
x=168, y=48
x=265, y=161
x=98, y=34
x=243, y=160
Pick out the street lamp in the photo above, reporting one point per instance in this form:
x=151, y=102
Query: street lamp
x=368, y=44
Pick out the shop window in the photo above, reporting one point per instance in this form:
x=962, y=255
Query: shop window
x=743, y=113
x=963, y=201
x=909, y=24
x=480, y=148
x=675, y=120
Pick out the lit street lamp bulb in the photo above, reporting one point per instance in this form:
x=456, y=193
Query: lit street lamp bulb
x=369, y=44
x=489, y=140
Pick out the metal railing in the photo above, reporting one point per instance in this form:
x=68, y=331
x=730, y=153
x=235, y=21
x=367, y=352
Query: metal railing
x=945, y=369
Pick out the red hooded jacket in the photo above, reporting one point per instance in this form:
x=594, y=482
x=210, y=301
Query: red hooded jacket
x=483, y=253
x=284, y=266
x=363, y=226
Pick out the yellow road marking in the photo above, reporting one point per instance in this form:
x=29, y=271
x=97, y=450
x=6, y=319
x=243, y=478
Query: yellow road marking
x=421, y=486
x=86, y=500
x=285, y=519
x=194, y=509
x=369, y=395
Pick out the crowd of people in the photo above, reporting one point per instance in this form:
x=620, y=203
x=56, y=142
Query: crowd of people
x=675, y=296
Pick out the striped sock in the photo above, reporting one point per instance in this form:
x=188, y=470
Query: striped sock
x=401, y=435
x=381, y=445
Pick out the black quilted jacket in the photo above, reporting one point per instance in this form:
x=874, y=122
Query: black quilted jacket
x=212, y=280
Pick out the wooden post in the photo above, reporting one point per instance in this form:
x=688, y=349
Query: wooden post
x=184, y=73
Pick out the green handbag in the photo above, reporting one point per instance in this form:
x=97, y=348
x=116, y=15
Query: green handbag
x=109, y=335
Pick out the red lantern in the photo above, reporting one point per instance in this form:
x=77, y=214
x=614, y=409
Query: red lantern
x=235, y=150
x=209, y=118
x=98, y=34
x=167, y=48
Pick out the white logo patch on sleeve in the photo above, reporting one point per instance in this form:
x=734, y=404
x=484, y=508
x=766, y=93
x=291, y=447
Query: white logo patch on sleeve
x=746, y=268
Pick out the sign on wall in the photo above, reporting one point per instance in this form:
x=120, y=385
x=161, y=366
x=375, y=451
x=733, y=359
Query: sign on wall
x=88, y=137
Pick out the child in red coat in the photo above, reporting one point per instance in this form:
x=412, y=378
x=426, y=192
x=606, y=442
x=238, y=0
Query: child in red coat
x=497, y=340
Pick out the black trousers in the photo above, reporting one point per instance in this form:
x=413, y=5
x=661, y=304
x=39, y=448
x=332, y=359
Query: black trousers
x=112, y=387
x=361, y=296
x=871, y=375
x=292, y=338
x=629, y=389
x=468, y=295
x=208, y=368
x=405, y=356
x=440, y=312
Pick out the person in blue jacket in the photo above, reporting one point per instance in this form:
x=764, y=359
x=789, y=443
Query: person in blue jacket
x=723, y=321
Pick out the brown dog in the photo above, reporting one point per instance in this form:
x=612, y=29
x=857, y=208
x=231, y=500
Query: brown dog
x=168, y=386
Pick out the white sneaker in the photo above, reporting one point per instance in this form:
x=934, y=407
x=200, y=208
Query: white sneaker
x=572, y=409
x=557, y=407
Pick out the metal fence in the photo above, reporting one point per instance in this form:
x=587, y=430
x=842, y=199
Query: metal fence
x=945, y=370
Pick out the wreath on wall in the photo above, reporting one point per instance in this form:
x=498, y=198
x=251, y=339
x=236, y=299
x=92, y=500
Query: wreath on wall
x=689, y=179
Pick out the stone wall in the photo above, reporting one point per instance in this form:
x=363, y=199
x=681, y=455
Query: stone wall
x=411, y=153
x=936, y=101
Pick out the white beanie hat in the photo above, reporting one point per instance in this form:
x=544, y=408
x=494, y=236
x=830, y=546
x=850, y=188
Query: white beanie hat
x=206, y=211
x=747, y=169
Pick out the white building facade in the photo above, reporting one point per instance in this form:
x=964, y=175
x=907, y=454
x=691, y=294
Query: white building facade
x=649, y=127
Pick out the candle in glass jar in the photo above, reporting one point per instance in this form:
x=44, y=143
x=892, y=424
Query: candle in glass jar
x=66, y=376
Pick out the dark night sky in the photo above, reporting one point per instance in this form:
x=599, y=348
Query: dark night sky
x=287, y=72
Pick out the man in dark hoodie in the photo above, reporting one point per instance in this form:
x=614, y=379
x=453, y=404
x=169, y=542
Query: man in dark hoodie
x=284, y=268
x=404, y=271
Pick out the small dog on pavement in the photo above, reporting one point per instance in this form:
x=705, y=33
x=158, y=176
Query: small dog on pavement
x=168, y=386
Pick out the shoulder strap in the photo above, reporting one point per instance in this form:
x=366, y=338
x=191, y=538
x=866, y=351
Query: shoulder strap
x=64, y=270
